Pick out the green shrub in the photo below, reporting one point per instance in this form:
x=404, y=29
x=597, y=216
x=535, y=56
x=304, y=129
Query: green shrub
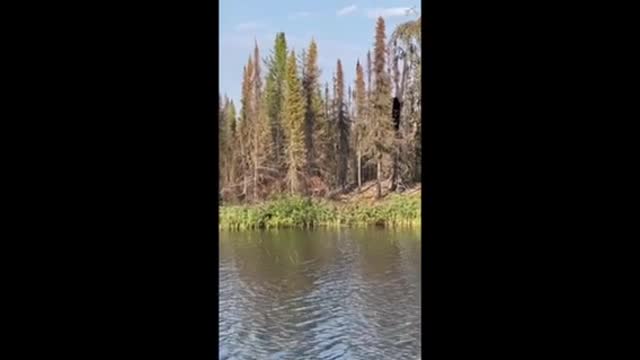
x=298, y=212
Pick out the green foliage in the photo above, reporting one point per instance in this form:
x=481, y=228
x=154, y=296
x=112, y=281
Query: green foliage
x=380, y=134
x=275, y=87
x=314, y=122
x=294, y=128
x=299, y=212
x=342, y=127
x=397, y=210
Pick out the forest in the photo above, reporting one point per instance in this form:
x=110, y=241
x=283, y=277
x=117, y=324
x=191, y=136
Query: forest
x=292, y=135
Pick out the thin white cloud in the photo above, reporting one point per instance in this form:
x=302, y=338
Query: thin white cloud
x=388, y=12
x=299, y=15
x=248, y=26
x=347, y=10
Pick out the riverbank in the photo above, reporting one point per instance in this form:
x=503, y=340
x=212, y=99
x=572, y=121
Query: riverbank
x=354, y=210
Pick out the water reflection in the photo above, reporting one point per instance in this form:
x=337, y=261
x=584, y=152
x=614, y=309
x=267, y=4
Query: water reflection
x=348, y=294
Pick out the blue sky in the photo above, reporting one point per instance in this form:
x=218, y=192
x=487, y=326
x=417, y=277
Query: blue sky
x=342, y=29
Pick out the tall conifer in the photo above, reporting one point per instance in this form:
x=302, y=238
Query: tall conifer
x=275, y=86
x=294, y=129
x=379, y=141
x=342, y=124
x=360, y=118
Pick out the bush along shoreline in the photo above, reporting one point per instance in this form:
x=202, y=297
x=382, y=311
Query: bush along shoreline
x=395, y=210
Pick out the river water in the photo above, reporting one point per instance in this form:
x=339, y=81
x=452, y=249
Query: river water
x=323, y=294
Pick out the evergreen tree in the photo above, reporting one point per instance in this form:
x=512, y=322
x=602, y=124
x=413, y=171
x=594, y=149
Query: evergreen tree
x=369, y=74
x=325, y=140
x=380, y=136
x=352, y=172
x=226, y=153
x=231, y=123
x=245, y=127
x=294, y=128
x=261, y=132
x=342, y=126
x=313, y=109
x=275, y=86
x=360, y=120
x=332, y=136
x=367, y=156
x=230, y=154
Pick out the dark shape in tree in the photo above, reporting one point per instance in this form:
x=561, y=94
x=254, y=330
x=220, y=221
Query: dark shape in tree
x=403, y=46
x=396, y=113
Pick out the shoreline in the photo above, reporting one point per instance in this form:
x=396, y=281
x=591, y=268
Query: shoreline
x=393, y=210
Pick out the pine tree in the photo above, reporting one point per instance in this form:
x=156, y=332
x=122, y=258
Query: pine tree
x=245, y=127
x=313, y=109
x=369, y=74
x=261, y=136
x=342, y=126
x=325, y=140
x=332, y=136
x=303, y=64
x=367, y=165
x=226, y=153
x=230, y=154
x=294, y=128
x=352, y=177
x=275, y=86
x=231, y=123
x=381, y=133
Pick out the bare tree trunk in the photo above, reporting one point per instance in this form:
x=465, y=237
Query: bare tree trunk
x=359, y=170
x=255, y=179
x=291, y=186
x=378, y=176
x=244, y=185
x=292, y=180
x=277, y=147
x=394, y=174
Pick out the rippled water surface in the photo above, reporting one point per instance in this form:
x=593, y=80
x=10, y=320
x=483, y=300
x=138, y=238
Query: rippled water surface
x=348, y=294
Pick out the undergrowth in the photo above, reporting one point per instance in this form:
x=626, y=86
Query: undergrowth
x=396, y=210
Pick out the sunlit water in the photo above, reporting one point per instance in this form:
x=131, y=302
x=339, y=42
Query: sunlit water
x=347, y=294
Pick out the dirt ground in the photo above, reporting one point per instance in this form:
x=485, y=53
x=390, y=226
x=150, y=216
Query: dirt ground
x=368, y=192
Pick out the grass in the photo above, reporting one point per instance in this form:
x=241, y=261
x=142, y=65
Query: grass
x=395, y=210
